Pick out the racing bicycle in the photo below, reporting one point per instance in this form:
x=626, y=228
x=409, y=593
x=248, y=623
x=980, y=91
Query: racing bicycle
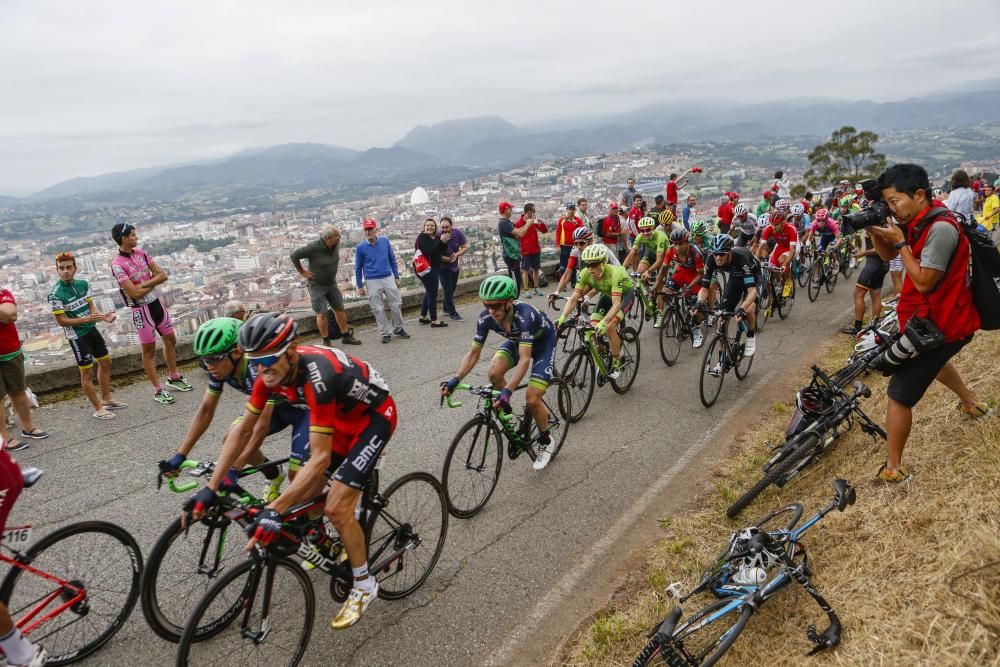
x=722, y=354
x=772, y=294
x=823, y=273
x=678, y=325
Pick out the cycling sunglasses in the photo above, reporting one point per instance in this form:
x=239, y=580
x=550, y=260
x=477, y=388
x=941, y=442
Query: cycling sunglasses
x=266, y=362
x=595, y=265
x=494, y=305
x=720, y=254
x=213, y=359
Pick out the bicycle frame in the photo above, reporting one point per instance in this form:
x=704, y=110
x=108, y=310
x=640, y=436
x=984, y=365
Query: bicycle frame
x=28, y=623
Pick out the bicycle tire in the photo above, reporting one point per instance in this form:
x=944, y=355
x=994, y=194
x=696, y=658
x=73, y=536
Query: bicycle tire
x=845, y=264
x=131, y=558
x=739, y=368
x=764, y=304
x=711, y=654
x=562, y=423
x=805, y=266
x=629, y=360
x=831, y=280
x=708, y=397
x=775, y=473
x=670, y=339
x=478, y=453
x=786, y=303
x=579, y=373
x=245, y=602
x=815, y=281
x=636, y=314
x=387, y=527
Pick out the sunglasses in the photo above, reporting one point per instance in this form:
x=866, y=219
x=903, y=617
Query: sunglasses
x=594, y=265
x=494, y=305
x=205, y=362
x=720, y=254
x=580, y=243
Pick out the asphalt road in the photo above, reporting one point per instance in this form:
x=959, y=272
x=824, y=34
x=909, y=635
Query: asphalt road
x=502, y=571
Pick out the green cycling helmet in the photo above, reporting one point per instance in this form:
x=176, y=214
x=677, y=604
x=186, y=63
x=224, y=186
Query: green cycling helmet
x=594, y=253
x=846, y=201
x=697, y=228
x=646, y=223
x=498, y=288
x=217, y=336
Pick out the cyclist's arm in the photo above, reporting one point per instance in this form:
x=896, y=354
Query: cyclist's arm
x=233, y=446
x=616, y=307
x=136, y=291
x=658, y=263
x=159, y=276
x=571, y=302
x=200, y=423
x=749, y=301
x=469, y=361
x=308, y=481
x=567, y=274
x=631, y=254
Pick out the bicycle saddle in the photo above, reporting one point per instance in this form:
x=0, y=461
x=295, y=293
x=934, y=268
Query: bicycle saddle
x=31, y=475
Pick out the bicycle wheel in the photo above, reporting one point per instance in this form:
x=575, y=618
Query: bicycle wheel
x=246, y=632
x=406, y=536
x=742, y=362
x=764, y=304
x=783, y=518
x=815, y=280
x=579, y=373
x=846, y=259
x=831, y=279
x=670, y=337
x=558, y=424
x=636, y=314
x=629, y=361
x=805, y=266
x=805, y=447
x=704, y=641
x=100, y=559
x=711, y=380
x=472, y=467
x=180, y=569
x=785, y=303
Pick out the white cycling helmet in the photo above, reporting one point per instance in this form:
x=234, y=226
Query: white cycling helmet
x=783, y=205
x=741, y=209
x=764, y=220
x=798, y=209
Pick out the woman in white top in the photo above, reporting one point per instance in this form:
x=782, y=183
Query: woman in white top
x=961, y=197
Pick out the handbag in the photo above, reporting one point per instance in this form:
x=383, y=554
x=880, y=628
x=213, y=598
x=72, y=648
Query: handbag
x=421, y=265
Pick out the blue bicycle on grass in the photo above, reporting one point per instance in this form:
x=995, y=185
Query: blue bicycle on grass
x=760, y=560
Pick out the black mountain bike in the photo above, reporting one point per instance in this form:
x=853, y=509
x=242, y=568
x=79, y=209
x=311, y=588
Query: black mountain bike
x=824, y=412
x=722, y=354
x=761, y=560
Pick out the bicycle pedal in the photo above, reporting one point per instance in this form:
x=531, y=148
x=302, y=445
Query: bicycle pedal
x=674, y=591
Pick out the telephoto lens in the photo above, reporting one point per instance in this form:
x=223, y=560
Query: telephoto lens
x=889, y=359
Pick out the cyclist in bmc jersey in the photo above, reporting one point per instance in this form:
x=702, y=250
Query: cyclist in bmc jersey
x=530, y=344
x=352, y=416
x=617, y=294
x=650, y=246
x=744, y=277
x=684, y=264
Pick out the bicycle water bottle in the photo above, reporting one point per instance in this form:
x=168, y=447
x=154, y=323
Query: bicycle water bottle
x=506, y=417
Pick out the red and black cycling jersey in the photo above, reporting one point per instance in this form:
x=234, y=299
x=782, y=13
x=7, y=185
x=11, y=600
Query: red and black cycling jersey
x=342, y=393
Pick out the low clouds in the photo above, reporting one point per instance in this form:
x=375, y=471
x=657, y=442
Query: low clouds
x=110, y=85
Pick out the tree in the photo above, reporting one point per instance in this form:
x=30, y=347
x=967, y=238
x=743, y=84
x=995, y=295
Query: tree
x=848, y=154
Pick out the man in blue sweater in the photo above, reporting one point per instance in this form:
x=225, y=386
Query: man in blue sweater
x=376, y=272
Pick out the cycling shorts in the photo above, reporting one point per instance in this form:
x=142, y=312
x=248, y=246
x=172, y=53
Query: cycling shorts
x=777, y=253
x=733, y=294
x=604, y=305
x=151, y=318
x=283, y=415
x=873, y=273
x=543, y=359
x=684, y=277
x=88, y=348
x=12, y=483
x=355, y=469
x=647, y=255
x=825, y=240
x=743, y=239
x=679, y=285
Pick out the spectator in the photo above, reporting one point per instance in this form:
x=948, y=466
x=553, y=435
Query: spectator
x=321, y=277
x=783, y=185
x=961, y=198
x=581, y=212
x=991, y=209
x=628, y=194
x=764, y=205
x=377, y=275
x=567, y=224
x=458, y=245
x=433, y=248
x=659, y=206
x=531, y=249
x=935, y=256
x=611, y=230
x=688, y=210
x=725, y=213
x=510, y=242
x=870, y=282
x=12, y=380
x=672, y=188
x=75, y=311
x=234, y=309
x=138, y=277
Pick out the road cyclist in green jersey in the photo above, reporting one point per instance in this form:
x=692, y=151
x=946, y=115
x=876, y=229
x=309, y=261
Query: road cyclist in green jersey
x=649, y=246
x=73, y=307
x=617, y=294
x=215, y=343
x=530, y=347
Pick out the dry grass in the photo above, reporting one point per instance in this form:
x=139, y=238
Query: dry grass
x=913, y=571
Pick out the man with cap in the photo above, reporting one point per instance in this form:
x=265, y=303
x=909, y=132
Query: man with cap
x=376, y=272
x=567, y=224
x=510, y=241
x=531, y=249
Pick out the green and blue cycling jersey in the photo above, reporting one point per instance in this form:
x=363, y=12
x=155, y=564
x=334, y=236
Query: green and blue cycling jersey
x=528, y=328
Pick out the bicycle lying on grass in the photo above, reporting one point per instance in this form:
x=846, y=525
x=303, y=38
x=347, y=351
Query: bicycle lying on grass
x=760, y=560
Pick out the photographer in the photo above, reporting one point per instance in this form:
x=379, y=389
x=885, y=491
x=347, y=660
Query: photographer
x=935, y=296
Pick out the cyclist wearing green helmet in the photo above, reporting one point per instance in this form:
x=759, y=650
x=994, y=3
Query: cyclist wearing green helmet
x=617, y=294
x=699, y=232
x=215, y=344
x=530, y=346
x=649, y=247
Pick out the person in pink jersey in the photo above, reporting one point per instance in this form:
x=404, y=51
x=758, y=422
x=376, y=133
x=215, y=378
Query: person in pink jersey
x=138, y=276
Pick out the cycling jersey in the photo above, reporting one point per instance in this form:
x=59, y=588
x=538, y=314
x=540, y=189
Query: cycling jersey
x=782, y=240
x=614, y=281
x=747, y=225
x=743, y=269
x=344, y=395
x=825, y=228
x=72, y=299
x=134, y=266
x=686, y=269
x=527, y=326
x=656, y=242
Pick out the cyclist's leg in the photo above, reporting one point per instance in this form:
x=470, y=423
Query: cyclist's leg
x=504, y=359
x=543, y=358
x=15, y=645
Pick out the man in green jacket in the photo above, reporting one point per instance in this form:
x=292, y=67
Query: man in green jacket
x=324, y=260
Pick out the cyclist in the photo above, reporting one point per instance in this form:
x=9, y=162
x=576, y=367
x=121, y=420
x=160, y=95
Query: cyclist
x=582, y=238
x=688, y=272
x=797, y=218
x=745, y=222
x=17, y=648
x=699, y=233
x=825, y=228
x=758, y=248
x=744, y=277
x=784, y=242
x=215, y=346
x=352, y=416
x=617, y=294
x=530, y=345
x=649, y=247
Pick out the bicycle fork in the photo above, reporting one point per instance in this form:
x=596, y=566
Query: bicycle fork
x=258, y=636
x=829, y=637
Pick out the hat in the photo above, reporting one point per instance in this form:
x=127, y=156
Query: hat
x=369, y=224
x=734, y=195
x=505, y=206
x=570, y=205
x=613, y=205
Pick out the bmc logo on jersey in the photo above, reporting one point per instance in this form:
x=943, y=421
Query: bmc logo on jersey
x=362, y=392
x=316, y=377
x=364, y=457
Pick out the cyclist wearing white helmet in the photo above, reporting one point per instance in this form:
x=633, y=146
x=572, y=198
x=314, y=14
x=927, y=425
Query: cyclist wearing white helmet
x=582, y=238
x=745, y=222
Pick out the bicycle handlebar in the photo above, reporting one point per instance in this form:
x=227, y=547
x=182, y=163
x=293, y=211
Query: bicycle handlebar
x=186, y=486
x=478, y=390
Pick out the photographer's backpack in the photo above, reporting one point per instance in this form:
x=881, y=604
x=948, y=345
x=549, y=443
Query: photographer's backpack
x=985, y=259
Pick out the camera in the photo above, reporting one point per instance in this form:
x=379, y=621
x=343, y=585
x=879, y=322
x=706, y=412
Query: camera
x=874, y=215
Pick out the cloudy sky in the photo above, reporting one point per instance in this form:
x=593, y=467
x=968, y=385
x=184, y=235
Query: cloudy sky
x=109, y=85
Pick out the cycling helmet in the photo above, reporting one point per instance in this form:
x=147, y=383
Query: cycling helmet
x=582, y=234
x=267, y=333
x=764, y=220
x=741, y=209
x=822, y=214
x=812, y=400
x=783, y=205
x=846, y=201
x=216, y=336
x=678, y=235
x=777, y=216
x=722, y=243
x=697, y=228
x=498, y=288
x=798, y=209
x=646, y=223
x=594, y=253
x=667, y=217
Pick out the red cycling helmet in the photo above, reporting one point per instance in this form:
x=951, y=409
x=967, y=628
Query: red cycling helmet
x=822, y=214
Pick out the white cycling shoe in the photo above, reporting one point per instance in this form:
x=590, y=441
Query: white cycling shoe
x=750, y=347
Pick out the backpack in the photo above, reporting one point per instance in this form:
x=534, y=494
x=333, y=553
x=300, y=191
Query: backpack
x=985, y=271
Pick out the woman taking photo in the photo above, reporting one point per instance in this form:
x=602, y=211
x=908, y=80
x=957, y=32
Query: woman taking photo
x=433, y=248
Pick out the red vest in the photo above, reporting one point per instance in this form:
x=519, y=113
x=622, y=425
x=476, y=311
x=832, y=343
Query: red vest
x=950, y=304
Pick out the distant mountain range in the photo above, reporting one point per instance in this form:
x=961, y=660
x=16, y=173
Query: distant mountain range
x=457, y=148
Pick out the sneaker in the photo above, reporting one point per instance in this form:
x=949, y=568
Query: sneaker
x=526, y=294
x=349, y=339
x=750, y=347
x=697, y=338
x=616, y=371
x=658, y=321
x=456, y=317
x=538, y=292
x=179, y=384
x=976, y=411
x=15, y=446
x=787, y=291
x=38, y=660
x=715, y=371
x=401, y=333
x=273, y=488
x=37, y=434
x=354, y=607
x=853, y=262
x=850, y=329
x=162, y=396
x=895, y=477
x=386, y=338
x=544, y=456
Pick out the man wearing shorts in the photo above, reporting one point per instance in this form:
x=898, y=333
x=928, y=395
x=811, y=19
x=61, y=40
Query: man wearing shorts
x=12, y=382
x=138, y=277
x=869, y=282
x=74, y=310
x=324, y=260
